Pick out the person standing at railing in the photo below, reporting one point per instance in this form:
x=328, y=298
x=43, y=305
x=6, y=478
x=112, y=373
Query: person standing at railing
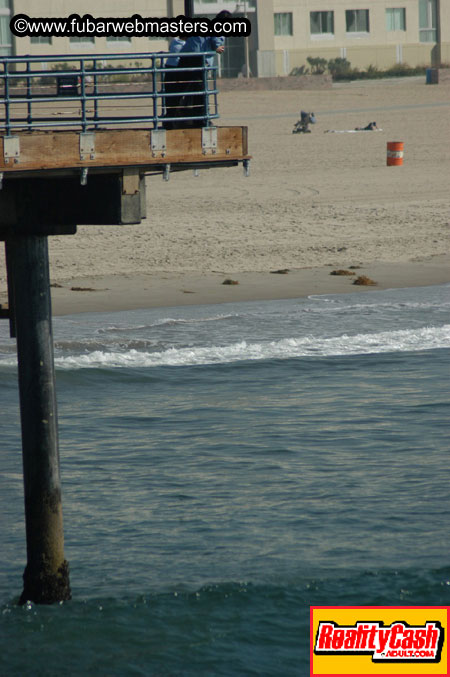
x=172, y=80
x=192, y=104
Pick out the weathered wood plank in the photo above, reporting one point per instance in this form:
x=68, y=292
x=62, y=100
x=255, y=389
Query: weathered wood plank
x=41, y=150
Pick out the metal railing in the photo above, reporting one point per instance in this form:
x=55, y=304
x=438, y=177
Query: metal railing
x=92, y=91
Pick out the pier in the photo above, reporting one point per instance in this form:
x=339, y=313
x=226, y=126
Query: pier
x=78, y=136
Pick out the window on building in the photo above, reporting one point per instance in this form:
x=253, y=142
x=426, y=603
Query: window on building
x=40, y=40
x=357, y=20
x=396, y=19
x=5, y=33
x=82, y=40
x=427, y=21
x=229, y=4
x=322, y=23
x=283, y=23
x=118, y=38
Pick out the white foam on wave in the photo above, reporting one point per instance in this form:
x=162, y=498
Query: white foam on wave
x=425, y=338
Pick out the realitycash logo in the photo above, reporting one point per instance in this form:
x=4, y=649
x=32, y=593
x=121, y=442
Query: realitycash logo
x=379, y=641
x=396, y=643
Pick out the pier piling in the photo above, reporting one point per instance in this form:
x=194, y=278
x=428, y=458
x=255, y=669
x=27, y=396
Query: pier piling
x=88, y=168
x=46, y=576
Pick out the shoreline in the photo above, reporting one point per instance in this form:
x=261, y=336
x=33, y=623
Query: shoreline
x=311, y=204
x=170, y=289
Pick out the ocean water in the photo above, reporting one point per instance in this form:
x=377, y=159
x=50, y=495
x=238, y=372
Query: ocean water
x=224, y=468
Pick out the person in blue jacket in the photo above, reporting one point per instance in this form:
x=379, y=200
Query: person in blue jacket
x=172, y=81
x=192, y=104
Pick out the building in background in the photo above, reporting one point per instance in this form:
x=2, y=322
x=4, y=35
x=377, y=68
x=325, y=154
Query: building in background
x=365, y=32
x=6, y=38
x=284, y=32
x=90, y=45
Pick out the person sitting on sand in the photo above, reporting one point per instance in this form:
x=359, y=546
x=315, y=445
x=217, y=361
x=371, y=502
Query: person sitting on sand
x=302, y=125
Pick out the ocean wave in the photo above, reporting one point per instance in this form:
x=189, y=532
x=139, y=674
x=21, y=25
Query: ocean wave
x=89, y=346
x=165, y=321
x=332, y=306
x=425, y=338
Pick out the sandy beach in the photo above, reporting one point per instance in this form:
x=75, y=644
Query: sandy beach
x=312, y=204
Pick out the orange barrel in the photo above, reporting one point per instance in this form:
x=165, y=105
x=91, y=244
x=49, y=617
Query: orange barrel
x=394, y=153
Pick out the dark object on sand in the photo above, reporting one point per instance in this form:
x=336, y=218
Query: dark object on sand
x=342, y=272
x=302, y=125
x=282, y=271
x=364, y=281
x=368, y=128
x=229, y=281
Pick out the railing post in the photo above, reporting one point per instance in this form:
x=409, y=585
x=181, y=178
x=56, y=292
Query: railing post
x=206, y=84
x=29, y=113
x=83, y=96
x=189, y=7
x=7, y=101
x=46, y=576
x=95, y=92
x=154, y=93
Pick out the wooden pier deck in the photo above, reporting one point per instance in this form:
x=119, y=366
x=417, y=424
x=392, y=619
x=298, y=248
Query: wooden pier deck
x=24, y=153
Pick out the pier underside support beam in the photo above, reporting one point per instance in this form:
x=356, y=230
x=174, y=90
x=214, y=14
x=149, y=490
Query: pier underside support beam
x=46, y=576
